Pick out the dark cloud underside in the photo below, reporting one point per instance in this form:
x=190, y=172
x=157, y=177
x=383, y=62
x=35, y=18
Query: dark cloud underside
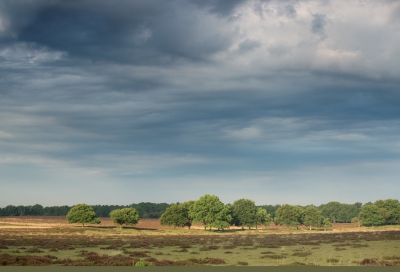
x=194, y=95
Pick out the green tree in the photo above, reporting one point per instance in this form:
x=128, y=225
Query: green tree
x=288, y=215
x=271, y=209
x=22, y=210
x=312, y=217
x=177, y=215
x=326, y=223
x=390, y=209
x=37, y=209
x=331, y=210
x=222, y=218
x=187, y=208
x=262, y=217
x=125, y=216
x=371, y=215
x=10, y=210
x=210, y=211
x=82, y=213
x=244, y=213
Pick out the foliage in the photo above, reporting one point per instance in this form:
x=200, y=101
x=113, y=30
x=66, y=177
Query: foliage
x=271, y=209
x=82, y=213
x=371, y=215
x=11, y=210
x=326, y=223
x=222, y=218
x=210, y=211
x=187, y=208
x=144, y=209
x=339, y=212
x=177, y=215
x=244, y=212
x=150, y=210
x=262, y=217
x=141, y=263
x=289, y=215
x=312, y=217
x=390, y=210
x=127, y=216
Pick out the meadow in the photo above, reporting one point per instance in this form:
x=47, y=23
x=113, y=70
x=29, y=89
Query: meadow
x=52, y=241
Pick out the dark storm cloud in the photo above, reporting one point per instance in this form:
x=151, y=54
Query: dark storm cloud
x=222, y=7
x=142, y=32
x=153, y=90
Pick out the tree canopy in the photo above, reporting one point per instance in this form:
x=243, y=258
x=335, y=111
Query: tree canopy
x=312, y=217
x=262, y=217
x=244, y=212
x=390, y=210
x=82, y=213
x=178, y=215
x=371, y=215
x=288, y=215
x=210, y=211
x=340, y=212
x=125, y=216
x=326, y=223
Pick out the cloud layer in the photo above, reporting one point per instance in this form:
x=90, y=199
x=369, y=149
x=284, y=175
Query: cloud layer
x=127, y=101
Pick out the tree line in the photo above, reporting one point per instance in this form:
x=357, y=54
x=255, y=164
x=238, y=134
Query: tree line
x=144, y=209
x=212, y=213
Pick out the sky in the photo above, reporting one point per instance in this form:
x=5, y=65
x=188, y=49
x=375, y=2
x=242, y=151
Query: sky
x=128, y=101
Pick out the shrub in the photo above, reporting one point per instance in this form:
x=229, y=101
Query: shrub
x=140, y=263
x=332, y=260
x=368, y=262
x=302, y=253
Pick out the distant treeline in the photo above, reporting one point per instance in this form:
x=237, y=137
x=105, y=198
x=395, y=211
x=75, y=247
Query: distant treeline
x=145, y=210
x=338, y=212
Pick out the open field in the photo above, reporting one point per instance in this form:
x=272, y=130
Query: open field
x=51, y=241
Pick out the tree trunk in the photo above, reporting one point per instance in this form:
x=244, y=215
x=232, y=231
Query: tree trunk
x=310, y=227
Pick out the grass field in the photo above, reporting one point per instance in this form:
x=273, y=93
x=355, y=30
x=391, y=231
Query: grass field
x=51, y=241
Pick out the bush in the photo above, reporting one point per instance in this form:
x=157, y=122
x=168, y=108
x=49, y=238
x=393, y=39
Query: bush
x=140, y=263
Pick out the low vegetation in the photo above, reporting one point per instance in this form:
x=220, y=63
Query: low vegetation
x=228, y=235
x=97, y=245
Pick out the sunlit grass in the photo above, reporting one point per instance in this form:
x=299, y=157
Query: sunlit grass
x=262, y=247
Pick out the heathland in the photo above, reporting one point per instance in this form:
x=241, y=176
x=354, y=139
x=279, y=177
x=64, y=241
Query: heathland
x=52, y=241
